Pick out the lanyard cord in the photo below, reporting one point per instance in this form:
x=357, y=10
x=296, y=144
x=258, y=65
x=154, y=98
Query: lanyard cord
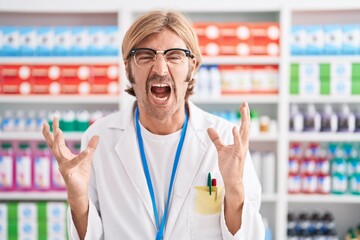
x=160, y=227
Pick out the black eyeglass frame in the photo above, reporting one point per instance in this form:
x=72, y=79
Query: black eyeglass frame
x=186, y=51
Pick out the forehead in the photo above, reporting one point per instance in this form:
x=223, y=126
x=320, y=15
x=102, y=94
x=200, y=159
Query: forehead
x=162, y=41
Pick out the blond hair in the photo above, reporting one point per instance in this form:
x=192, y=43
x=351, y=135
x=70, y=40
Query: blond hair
x=155, y=22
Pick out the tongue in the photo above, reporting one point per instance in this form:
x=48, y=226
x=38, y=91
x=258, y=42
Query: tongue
x=160, y=92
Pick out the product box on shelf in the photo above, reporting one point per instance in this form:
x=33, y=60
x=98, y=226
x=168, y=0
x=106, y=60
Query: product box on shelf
x=315, y=40
x=45, y=79
x=80, y=42
x=45, y=41
x=298, y=40
x=333, y=39
x=112, y=41
x=63, y=41
x=235, y=79
x=28, y=41
x=105, y=79
x=16, y=79
x=11, y=41
x=74, y=79
x=351, y=39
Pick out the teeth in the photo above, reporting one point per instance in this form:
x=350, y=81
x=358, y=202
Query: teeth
x=161, y=99
x=160, y=85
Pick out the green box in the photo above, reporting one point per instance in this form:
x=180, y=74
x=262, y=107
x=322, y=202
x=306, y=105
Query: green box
x=324, y=70
x=294, y=88
x=324, y=88
x=355, y=88
x=355, y=70
x=294, y=71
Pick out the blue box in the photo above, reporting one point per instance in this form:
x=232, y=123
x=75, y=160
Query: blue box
x=315, y=40
x=11, y=41
x=351, y=39
x=333, y=40
x=112, y=41
x=97, y=42
x=45, y=41
x=28, y=41
x=298, y=40
x=63, y=41
x=80, y=46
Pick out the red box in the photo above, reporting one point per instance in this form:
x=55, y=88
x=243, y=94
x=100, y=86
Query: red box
x=237, y=30
x=45, y=79
x=16, y=79
x=264, y=47
x=266, y=30
x=207, y=30
x=75, y=79
x=105, y=79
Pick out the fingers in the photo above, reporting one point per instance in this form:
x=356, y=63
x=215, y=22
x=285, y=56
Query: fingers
x=245, y=122
x=93, y=142
x=214, y=136
x=49, y=138
x=87, y=154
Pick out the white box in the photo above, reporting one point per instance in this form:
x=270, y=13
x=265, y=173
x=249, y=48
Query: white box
x=340, y=69
x=63, y=41
x=309, y=70
x=11, y=41
x=340, y=86
x=80, y=46
x=56, y=210
x=56, y=227
x=27, y=211
x=315, y=40
x=27, y=229
x=98, y=39
x=310, y=87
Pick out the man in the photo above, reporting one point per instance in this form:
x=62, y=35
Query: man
x=161, y=168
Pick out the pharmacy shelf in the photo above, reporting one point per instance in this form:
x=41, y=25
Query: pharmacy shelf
x=324, y=99
x=63, y=99
x=43, y=196
x=240, y=60
x=265, y=137
x=260, y=98
x=60, y=60
x=324, y=137
x=269, y=198
x=31, y=135
x=323, y=5
x=317, y=198
x=325, y=59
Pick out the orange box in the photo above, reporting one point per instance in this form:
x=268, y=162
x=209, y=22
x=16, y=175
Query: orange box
x=267, y=30
x=264, y=47
x=105, y=79
x=234, y=47
x=209, y=47
x=238, y=30
x=207, y=30
x=45, y=79
x=75, y=79
x=16, y=79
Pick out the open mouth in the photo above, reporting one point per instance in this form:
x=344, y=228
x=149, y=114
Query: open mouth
x=160, y=91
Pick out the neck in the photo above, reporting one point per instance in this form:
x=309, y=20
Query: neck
x=168, y=125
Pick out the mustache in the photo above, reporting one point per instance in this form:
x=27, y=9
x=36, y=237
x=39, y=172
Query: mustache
x=156, y=77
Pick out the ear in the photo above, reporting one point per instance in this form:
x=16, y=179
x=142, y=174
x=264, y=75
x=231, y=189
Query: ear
x=193, y=67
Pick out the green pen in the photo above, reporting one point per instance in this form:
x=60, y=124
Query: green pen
x=209, y=182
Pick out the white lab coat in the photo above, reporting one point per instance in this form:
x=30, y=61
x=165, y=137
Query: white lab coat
x=120, y=203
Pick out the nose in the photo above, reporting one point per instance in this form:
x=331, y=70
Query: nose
x=160, y=66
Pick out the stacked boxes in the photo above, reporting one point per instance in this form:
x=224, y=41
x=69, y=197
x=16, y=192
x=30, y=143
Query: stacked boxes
x=325, y=40
x=238, y=39
x=33, y=221
x=59, y=41
x=59, y=79
x=338, y=78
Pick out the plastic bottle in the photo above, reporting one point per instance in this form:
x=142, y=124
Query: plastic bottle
x=82, y=121
x=67, y=122
x=202, y=82
x=215, y=81
x=42, y=162
x=346, y=119
x=30, y=121
x=8, y=122
x=20, y=121
x=312, y=119
x=255, y=123
x=268, y=171
x=296, y=119
x=6, y=167
x=23, y=167
x=329, y=120
x=268, y=233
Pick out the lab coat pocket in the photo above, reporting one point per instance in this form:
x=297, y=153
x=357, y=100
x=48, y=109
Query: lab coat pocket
x=205, y=212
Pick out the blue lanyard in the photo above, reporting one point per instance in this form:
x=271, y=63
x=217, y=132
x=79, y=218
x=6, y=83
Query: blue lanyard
x=160, y=228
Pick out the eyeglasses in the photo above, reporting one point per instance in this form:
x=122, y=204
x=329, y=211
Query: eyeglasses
x=145, y=57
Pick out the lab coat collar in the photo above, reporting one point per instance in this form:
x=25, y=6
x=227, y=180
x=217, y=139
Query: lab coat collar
x=195, y=145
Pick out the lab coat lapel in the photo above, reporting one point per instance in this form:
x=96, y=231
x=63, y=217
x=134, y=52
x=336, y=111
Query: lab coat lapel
x=191, y=158
x=127, y=150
